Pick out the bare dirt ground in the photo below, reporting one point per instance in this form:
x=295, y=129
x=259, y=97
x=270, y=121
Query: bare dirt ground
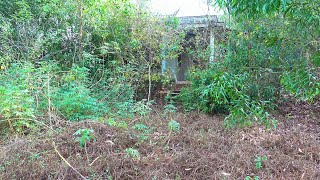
x=203, y=149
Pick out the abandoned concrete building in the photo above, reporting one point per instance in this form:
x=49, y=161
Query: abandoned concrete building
x=210, y=28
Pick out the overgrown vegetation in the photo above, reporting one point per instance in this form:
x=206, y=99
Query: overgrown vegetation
x=269, y=52
x=79, y=60
x=80, y=80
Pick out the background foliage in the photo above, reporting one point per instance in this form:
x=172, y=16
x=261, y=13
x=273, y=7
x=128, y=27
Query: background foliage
x=272, y=49
x=80, y=59
x=96, y=59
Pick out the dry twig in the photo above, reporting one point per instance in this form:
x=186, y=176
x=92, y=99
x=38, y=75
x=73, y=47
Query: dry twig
x=56, y=149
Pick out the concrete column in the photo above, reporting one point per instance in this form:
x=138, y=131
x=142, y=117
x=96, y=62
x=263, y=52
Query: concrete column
x=212, y=53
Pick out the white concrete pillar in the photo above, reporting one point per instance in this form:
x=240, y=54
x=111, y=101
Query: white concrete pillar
x=212, y=53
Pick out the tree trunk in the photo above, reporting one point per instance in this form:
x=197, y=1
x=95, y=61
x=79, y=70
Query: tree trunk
x=149, y=75
x=80, y=48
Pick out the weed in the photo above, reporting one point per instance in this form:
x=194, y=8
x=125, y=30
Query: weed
x=74, y=99
x=259, y=161
x=35, y=156
x=174, y=126
x=4, y=165
x=121, y=124
x=202, y=133
x=250, y=178
x=84, y=136
x=170, y=108
x=141, y=127
x=142, y=108
x=177, y=177
x=132, y=153
x=107, y=172
x=144, y=132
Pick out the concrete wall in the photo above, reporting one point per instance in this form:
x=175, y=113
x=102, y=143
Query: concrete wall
x=177, y=68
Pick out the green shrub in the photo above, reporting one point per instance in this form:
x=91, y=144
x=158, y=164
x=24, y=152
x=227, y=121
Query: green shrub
x=214, y=90
x=301, y=83
x=75, y=102
x=74, y=99
x=17, y=105
x=116, y=90
x=142, y=108
x=143, y=132
x=170, y=108
x=25, y=92
x=244, y=112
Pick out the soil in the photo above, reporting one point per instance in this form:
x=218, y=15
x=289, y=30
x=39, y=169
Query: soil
x=202, y=149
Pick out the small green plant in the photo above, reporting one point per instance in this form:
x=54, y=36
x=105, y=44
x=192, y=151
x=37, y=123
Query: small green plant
x=144, y=132
x=108, y=174
x=274, y=123
x=111, y=122
x=177, y=177
x=250, y=178
x=142, y=108
x=4, y=165
x=121, y=124
x=84, y=136
x=259, y=161
x=174, y=126
x=170, y=108
x=141, y=127
x=259, y=165
x=132, y=153
x=35, y=156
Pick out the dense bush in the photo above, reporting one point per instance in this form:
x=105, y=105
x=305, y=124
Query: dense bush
x=17, y=106
x=79, y=59
x=301, y=83
x=266, y=51
x=74, y=99
x=213, y=90
x=27, y=92
x=97, y=59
